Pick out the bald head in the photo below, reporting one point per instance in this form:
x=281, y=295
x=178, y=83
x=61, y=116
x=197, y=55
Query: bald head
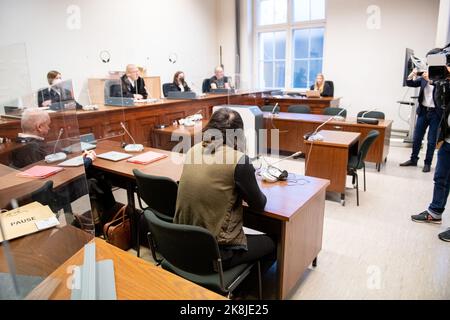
x=132, y=72
x=218, y=72
x=35, y=121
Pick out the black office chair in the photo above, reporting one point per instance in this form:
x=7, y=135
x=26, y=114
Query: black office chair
x=160, y=194
x=269, y=108
x=44, y=195
x=331, y=84
x=206, y=86
x=113, y=88
x=193, y=253
x=167, y=87
x=372, y=114
x=334, y=112
x=299, y=108
x=356, y=163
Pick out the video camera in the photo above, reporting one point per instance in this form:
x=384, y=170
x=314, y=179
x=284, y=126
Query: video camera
x=438, y=61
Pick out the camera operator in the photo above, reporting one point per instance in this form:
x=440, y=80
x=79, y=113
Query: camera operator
x=442, y=175
x=428, y=116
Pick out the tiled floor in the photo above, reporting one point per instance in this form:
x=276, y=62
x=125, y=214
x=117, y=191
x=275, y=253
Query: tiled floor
x=375, y=251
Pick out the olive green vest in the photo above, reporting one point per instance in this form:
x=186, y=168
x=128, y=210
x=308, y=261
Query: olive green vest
x=207, y=196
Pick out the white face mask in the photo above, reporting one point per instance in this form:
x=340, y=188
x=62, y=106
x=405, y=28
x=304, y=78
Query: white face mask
x=56, y=81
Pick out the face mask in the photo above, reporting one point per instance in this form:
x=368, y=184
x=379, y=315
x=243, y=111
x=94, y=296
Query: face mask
x=56, y=81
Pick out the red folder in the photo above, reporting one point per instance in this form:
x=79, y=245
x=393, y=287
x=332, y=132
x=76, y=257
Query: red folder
x=40, y=172
x=147, y=157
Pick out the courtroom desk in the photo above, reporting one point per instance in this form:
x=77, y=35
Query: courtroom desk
x=317, y=105
x=14, y=186
x=294, y=126
x=140, y=118
x=328, y=159
x=162, y=137
x=294, y=213
x=41, y=253
x=135, y=279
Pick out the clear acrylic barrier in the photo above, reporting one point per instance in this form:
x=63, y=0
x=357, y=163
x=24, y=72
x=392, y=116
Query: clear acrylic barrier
x=46, y=212
x=109, y=118
x=247, y=102
x=14, y=74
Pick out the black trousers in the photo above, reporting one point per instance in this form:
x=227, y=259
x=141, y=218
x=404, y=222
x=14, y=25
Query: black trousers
x=260, y=247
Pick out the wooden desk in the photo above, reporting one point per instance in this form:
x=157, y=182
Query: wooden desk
x=135, y=278
x=162, y=138
x=41, y=253
x=317, y=105
x=14, y=186
x=328, y=159
x=293, y=128
x=140, y=119
x=294, y=214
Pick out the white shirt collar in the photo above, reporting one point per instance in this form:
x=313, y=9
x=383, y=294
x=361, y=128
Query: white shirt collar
x=131, y=81
x=27, y=135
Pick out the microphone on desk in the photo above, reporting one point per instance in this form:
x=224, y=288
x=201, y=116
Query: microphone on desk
x=273, y=174
x=131, y=147
x=315, y=136
x=274, y=110
x=55, y=157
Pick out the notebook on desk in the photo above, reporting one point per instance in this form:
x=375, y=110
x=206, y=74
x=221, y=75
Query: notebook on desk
x=147, y=157
x=40, y=172
x=114, y=156
x=74, y=162
x=27, y=219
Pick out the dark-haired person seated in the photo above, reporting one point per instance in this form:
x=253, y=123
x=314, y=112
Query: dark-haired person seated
x=178, y=84
x=219, y=80
x=324, y=87
x=133, y=86
x=56, y=96
x=216, y=178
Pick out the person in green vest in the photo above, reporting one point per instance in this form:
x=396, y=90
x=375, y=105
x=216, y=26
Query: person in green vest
x=216, y=178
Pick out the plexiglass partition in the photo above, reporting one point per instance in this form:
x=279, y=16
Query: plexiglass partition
x=247, y=102
x=44, y=195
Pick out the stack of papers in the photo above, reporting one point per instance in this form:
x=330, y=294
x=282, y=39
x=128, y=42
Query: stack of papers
x=27, y=219
x=147, y=157
x=114, y=156
x=74, y=162
x=40, y=172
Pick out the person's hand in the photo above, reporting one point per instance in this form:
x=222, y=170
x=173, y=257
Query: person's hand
x=425, y=76
x=139, y=96
x=46, y=103
x=90, y=154
x=213, y=86
x=227, y=85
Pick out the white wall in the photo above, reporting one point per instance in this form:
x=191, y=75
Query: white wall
x=443, y=27
x=144, y=32
x=226, y=34
x=367, y=65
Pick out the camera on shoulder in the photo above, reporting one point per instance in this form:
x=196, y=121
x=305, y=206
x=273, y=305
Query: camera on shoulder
x=438, y=61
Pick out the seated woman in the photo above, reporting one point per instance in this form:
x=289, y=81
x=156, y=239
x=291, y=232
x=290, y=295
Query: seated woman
x=179, y=83
x=55, y=96
x=216, y=179
x=324, y=87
